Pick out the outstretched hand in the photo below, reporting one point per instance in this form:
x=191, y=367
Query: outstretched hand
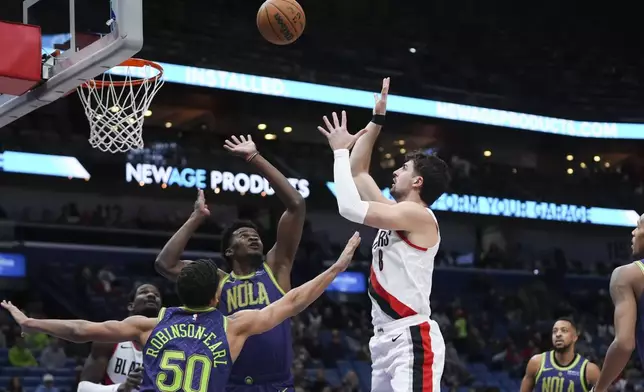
x=242, y=146
x=337, y=134
x=201, y=208
x=16, y=313
x=380, y=106
x=133, y=381
x=347, y=254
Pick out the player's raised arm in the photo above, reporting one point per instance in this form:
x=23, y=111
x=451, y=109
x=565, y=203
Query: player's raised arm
x=361, y=154
x=289, y=229
x=625, y=318
x=531, y=371
x=253, y=322
x=407, y=216
x=168, y=263
x=81, y=331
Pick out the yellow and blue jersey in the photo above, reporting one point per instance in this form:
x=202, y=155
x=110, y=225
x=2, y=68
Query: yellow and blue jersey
x=265, y=358
x=187, y=351
x=553, y=377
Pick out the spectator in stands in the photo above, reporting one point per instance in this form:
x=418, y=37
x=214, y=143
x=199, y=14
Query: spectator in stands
x=20, y=355
x=70, y=214
x=460, y=325
x=312, y=344
x=47, y=384
x=107, y=279
x=528, y=352
x=315, y=319
x=53, y=356
x=299, y=376
x=319, y=384
x=335, y=350
x=15, y=385
x=350, y=382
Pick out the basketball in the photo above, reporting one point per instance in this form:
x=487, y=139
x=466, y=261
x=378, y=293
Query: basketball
x=281, y=22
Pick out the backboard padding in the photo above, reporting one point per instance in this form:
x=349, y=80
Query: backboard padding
x=73, y=69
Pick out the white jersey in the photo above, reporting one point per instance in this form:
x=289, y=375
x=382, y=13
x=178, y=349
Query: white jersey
x=400, y=280
x=126, y=357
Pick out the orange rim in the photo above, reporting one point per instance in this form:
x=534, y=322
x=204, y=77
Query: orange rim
x=139, y=63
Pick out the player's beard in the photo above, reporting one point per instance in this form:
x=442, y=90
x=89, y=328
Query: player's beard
x=255, y=260
x=563, y=349
x=148, y=312
x=394, y=193
x=251, y=260
x=638, y=254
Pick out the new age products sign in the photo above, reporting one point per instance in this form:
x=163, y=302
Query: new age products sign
x=224, y=181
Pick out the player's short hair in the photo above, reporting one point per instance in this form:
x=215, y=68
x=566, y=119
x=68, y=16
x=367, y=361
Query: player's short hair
x=135, y=290
x=435, y=173
x=228, y=235
x=197, y=283
x=569, y=320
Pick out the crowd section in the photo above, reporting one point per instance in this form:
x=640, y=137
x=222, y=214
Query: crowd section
x=493, y=322
x=492, y=326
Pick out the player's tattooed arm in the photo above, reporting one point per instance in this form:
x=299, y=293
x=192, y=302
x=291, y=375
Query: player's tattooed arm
x=531, y=371
x=289, y=229
x=168, y=263
x=363, y=149
x=625, y=318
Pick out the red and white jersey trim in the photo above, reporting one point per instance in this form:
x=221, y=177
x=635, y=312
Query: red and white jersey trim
x=400, y=279
x=126, y=356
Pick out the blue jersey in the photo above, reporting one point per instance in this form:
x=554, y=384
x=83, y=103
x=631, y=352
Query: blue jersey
x=553, y=377
x=187, y=351
x=639, y=327
x=265, y=358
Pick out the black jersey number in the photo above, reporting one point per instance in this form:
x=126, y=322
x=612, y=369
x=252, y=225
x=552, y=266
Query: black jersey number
x=381, y=265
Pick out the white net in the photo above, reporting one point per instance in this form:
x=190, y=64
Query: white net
x=116, y=104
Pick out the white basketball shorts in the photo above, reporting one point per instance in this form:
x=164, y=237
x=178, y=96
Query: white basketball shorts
x=408, y=355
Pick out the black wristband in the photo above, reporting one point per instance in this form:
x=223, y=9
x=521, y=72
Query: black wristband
x=378, y=119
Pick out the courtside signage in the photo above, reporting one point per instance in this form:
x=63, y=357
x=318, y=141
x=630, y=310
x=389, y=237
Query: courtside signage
x=512, y=208
x=146, y=174
x=42, y=165
x=253, y=84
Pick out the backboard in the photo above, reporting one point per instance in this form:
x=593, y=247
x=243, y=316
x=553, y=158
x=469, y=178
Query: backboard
x=75, y=66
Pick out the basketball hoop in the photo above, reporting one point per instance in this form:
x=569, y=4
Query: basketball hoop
x=116, y=105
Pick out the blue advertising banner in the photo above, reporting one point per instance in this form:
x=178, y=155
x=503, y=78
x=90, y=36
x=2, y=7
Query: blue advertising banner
x=527, y=209
x=254, y=84
x=12, y=265
x=349, y=282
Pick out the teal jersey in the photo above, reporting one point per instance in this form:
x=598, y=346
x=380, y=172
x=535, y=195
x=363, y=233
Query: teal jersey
x=187, y=351
x=553, y=377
